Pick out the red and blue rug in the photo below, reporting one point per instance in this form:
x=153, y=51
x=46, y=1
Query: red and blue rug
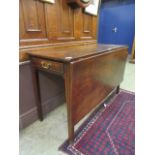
x=108, y=131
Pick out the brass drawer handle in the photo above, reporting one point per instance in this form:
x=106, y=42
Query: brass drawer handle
x=45, y=65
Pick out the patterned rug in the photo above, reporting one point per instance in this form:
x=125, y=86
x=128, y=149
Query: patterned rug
x=108, y=131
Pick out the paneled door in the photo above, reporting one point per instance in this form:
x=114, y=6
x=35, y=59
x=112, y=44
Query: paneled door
x=117, y=24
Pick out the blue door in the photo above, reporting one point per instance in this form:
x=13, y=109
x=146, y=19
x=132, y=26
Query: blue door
x=117, y=23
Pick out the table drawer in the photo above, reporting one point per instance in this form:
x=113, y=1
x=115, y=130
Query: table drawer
x=48, y=65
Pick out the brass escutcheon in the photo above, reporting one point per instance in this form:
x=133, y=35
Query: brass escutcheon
x=45, y=65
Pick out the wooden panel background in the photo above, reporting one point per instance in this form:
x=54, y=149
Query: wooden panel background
x=32, y=21
x=60, y=21
x=44, y=24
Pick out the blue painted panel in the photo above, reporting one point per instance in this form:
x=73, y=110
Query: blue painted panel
x=117, y=15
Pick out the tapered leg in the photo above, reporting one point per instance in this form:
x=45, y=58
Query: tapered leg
x=117, y=89
x=70, y=133
x=69, y=117
x=68, y=93
x=37, y=92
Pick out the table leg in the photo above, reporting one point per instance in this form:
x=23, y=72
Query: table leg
x=70, y=121
x=37, y=92
x=117, y=89
x=70, y=133
x=68, y=93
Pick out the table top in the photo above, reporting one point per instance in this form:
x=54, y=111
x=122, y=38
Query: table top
x=72, y=53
